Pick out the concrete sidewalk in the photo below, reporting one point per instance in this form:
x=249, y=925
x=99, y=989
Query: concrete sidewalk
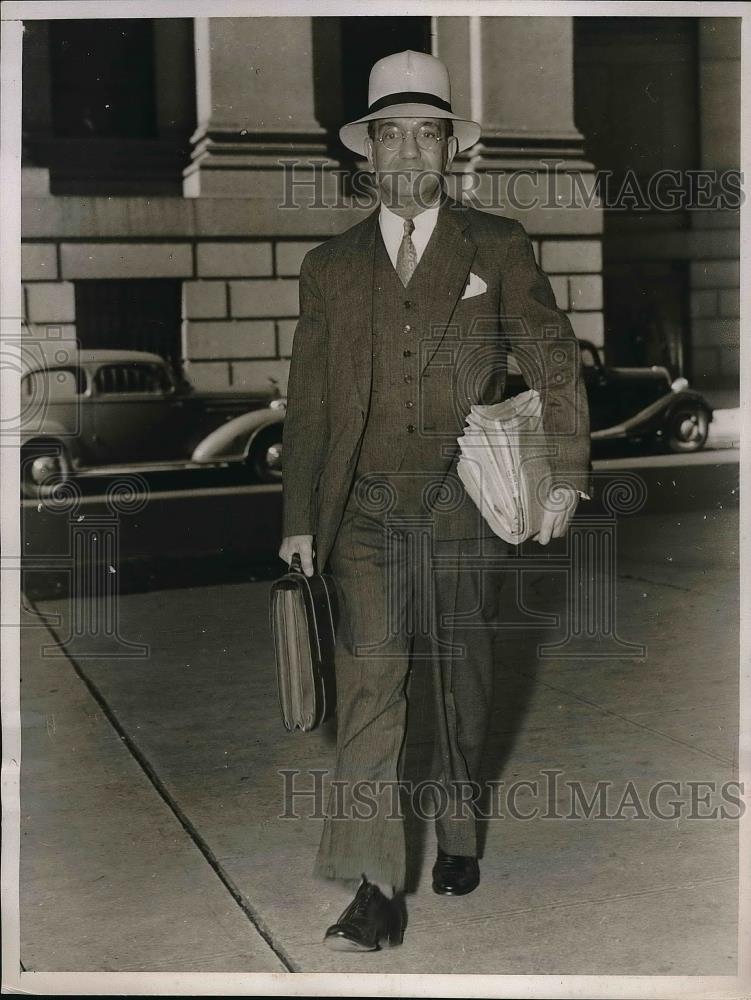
x=725, y=428
x=152, y=836
x=111, y=879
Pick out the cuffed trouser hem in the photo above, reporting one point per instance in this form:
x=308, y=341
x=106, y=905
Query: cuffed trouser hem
x=354, y=869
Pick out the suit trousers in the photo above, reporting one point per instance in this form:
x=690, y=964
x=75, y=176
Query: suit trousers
x=397, y=583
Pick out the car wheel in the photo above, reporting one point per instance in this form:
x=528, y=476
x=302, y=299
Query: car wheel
x=265, y=458
x=686, y=429
x=43, y=468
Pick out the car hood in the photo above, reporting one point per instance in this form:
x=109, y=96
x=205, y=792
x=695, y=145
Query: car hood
x=656, y=372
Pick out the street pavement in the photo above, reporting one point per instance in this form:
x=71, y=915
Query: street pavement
x=152, y=799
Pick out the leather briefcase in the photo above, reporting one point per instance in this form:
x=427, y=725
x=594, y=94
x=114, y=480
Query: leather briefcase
x=303, y=624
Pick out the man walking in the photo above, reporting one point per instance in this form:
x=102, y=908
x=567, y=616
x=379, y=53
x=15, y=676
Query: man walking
x=405, y=322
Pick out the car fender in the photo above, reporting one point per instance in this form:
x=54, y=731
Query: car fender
x=652, y=417
x=688, y=395
x=57, y=433
x=231, y=441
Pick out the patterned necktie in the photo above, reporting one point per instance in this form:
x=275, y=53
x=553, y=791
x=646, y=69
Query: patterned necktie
x=406, y=259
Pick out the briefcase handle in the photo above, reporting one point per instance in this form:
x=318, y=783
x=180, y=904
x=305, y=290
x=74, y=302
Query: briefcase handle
x=296, y=565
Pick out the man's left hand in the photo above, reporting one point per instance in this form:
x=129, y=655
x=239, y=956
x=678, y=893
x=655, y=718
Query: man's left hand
x=559, y=509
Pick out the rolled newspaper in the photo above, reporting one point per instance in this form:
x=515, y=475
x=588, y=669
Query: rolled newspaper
x=505, y=464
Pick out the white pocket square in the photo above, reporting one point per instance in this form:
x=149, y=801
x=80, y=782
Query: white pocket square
x=475, y=286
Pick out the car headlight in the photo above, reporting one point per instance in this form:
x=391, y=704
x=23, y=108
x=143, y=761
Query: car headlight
x=679, y=384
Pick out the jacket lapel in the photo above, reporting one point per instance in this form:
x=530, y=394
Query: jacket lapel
x=449, y=271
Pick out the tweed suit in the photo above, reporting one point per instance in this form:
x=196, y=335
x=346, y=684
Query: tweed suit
x=370, y=452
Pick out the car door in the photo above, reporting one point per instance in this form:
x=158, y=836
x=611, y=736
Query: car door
x=55, y=402
x=134, y=413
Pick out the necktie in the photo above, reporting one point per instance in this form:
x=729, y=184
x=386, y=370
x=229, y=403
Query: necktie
x=406, y=259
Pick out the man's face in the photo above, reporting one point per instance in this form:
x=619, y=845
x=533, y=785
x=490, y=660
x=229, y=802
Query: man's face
x=408, y=176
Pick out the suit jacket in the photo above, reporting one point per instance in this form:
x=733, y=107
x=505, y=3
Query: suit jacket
x=331, y=367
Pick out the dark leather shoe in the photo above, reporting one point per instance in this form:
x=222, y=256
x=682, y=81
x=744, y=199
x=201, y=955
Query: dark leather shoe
x=455, y=874
x=368, y=920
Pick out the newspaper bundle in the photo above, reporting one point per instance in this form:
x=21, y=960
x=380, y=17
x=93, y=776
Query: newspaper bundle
x=505, y=464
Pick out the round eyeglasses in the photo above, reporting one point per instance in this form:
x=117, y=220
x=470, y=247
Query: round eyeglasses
x=427, y=137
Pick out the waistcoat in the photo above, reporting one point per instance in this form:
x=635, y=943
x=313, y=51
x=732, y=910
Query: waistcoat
x=391, y=439
x=393, y=445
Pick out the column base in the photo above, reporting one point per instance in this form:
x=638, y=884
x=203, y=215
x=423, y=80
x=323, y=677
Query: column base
x=228, y=167
x=499, y=145
x=549, y=196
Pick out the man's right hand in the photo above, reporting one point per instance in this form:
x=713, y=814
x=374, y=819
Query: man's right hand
x=303, y=544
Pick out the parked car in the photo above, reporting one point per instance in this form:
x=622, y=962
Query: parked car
x=95, y=412
x=643, y=405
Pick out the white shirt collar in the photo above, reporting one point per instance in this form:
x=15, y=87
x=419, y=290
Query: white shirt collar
x=392, y=230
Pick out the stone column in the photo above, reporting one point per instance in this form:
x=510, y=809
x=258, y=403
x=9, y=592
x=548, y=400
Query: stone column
x=515, y=75
x=257, y=89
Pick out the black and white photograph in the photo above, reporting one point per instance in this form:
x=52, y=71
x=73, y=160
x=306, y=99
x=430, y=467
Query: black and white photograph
x=374, y=580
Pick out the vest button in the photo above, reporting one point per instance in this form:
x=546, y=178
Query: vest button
x=409, y=404
x=407, y=378
x=407, y=303
x=411, y=428
x=407, y=328
x=407, y=354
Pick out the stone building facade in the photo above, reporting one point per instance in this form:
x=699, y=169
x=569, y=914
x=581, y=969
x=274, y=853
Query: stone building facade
x=173, y=215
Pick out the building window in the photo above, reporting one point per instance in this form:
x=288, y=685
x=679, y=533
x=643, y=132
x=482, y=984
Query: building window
x=109, y=104
x=133, y=314
x=102, y=77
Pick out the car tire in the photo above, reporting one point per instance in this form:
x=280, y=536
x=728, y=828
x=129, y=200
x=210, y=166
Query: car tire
x=44, y=467
x=686, y=428
x=265, y=456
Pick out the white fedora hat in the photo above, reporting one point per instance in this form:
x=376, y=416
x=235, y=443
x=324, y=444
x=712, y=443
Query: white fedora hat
x=408, y=85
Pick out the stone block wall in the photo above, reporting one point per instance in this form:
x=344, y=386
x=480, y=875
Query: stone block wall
x=240, y=299
x=240, y=312
x=574, y=267
x=715, y=318
x=710, y=249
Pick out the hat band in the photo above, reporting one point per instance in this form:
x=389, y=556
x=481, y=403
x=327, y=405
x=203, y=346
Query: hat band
x=409, y=97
